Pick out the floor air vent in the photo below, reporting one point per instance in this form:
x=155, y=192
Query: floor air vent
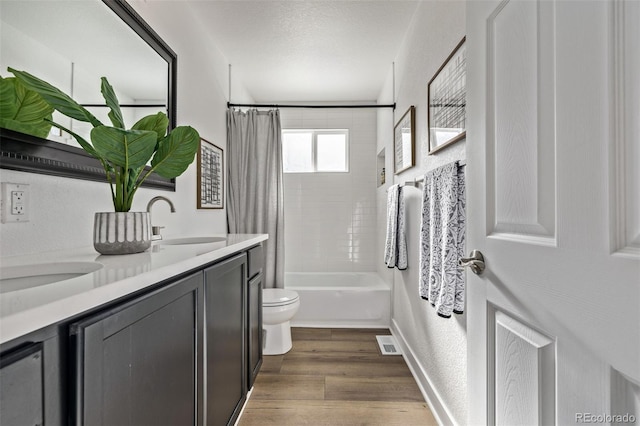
x=388, y=345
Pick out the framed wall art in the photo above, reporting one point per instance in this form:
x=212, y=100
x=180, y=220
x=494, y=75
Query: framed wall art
x=447, y=100
x=210, y=172
x=404, y=141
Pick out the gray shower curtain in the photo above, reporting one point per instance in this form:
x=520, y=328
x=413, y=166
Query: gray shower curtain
x=255, y=196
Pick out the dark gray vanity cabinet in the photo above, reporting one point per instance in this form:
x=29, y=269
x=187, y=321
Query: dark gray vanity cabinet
x=254, y=313
x=140, y=362
x=31, y=379
x=254, y=321
x=225, y=295
x=184, y=351
x=21, y=387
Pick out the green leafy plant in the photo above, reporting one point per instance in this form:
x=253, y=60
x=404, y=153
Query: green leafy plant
x=122, y=152
x=23, y=110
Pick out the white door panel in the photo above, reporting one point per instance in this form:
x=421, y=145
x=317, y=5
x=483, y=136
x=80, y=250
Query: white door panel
x=553, y=160
x=524, y=373
x=625, y=130
x=521, y=187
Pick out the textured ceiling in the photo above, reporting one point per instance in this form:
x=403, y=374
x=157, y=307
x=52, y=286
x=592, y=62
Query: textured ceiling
x=308, y=50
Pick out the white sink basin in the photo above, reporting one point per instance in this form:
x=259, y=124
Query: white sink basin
x=191, y=240
x=13, y=278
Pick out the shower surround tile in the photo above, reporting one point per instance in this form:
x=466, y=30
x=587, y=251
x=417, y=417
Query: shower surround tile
x=330, y=218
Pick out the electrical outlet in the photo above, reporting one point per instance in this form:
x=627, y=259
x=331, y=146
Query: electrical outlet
x=15, y=202
x=17, y=209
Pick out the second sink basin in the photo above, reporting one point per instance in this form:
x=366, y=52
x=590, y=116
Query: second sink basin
x=13, y=278
x=191, y=240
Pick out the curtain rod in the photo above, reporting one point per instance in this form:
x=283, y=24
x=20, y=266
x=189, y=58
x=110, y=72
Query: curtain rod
x=229, y=105
x=126, y=105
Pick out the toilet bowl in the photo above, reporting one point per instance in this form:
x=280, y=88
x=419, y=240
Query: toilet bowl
x=278, y=307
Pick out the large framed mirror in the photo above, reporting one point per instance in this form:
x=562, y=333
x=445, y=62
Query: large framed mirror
x=72, y=44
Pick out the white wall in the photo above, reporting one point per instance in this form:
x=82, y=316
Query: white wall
x=438, y=345
x=62, y=209
x=330, y=218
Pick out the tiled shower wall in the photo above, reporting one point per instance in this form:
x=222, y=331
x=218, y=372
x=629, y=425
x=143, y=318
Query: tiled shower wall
x=330, y=218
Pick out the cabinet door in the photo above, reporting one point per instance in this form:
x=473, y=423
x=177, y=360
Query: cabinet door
x=254, y=321
x=226, y=362
x=138, y=364
x=21, y=387
x=32, y=375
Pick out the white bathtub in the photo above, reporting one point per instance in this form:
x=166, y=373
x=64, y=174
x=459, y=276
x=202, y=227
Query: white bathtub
x=359, y=299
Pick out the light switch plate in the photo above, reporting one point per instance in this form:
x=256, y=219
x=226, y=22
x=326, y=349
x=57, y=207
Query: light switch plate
x=15, y=202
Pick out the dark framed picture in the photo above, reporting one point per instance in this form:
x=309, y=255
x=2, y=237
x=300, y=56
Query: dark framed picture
x=404, y=141
x=210, y=172
x=447, y=100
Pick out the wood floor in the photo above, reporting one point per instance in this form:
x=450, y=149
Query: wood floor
x=335, y=377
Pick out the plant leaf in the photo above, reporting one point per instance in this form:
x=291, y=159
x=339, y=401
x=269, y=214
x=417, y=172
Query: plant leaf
x=18, y=126
x=124, y=148
x=175, y=152
x=111, y=99
x=56, y=98
x=8, y=97
x=23, y=110
x=134, y=174
x=156, y=122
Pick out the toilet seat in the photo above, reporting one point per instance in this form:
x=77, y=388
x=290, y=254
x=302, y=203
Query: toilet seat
x=278, y=297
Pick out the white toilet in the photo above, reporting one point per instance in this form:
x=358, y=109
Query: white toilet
x=278, y=307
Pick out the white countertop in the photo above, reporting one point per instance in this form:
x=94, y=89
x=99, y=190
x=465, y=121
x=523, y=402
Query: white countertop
x=28, y=310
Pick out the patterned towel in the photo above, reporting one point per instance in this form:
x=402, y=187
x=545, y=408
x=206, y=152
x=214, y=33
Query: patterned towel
x=442, y=239
x=395, y=253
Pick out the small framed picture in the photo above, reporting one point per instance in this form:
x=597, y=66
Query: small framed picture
x=404, y=141
x=210, y=173
x=447, y=100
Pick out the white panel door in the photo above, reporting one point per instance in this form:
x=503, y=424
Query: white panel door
x=553, y=160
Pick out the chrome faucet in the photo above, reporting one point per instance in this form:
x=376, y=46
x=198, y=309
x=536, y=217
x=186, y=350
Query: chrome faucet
x=155, y=230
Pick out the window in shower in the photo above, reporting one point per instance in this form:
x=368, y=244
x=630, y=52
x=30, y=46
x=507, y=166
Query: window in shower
x=313, y=151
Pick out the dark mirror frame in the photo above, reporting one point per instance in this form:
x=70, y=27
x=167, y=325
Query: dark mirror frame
x=26, y=153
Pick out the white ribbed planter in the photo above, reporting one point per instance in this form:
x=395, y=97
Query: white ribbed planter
x=121, y=232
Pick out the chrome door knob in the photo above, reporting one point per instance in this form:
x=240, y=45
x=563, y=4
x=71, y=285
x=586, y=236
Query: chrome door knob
x=475, y=261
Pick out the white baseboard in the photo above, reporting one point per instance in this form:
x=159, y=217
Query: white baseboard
x=430, y=394
x=338, y=324
x=246, y=401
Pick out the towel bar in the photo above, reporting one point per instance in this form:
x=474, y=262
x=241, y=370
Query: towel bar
x=417, y=181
